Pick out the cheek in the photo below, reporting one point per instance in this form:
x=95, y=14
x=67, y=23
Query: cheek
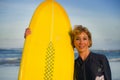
x=75, y=43
x=88, y=43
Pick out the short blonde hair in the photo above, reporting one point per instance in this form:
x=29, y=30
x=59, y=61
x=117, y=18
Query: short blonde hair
x=78, y=29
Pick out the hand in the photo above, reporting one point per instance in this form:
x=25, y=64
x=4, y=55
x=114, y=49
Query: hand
x=27, y=32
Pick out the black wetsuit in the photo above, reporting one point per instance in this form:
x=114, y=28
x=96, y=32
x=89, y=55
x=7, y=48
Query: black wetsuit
x=95, y=66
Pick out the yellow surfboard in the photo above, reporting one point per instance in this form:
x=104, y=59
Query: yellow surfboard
x=47, y=52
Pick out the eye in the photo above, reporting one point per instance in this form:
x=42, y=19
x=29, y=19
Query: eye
x=77, y=39
x=85, y=38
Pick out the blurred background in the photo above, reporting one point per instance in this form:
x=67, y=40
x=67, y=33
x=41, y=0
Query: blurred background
x=101, y=17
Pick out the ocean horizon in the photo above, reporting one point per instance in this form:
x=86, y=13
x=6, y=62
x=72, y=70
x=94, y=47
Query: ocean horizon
x=10, y=62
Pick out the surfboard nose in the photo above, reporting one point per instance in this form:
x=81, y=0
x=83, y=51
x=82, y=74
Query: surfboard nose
x=49, y=0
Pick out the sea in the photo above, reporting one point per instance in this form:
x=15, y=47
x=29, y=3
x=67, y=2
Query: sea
x=10, y=62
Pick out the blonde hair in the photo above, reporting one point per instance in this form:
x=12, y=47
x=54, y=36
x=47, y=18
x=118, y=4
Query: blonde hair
x=78, y=29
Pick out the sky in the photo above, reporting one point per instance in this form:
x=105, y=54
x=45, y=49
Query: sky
x=101, y=17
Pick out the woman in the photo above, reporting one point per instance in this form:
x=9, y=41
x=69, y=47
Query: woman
x=89, y=65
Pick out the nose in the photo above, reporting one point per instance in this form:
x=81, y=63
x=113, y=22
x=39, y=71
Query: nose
x=81, y=41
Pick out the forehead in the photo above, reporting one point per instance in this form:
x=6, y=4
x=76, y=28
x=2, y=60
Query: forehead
x=82, y=34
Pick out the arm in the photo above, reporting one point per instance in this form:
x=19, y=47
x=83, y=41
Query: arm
x=107, y=70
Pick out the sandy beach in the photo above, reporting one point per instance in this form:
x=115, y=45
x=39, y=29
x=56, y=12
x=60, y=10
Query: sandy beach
x=115, y=69
x=11, y=72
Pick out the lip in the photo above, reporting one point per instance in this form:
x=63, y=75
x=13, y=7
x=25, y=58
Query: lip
x=81, y=47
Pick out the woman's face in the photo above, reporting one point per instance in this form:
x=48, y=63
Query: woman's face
x=81, y=42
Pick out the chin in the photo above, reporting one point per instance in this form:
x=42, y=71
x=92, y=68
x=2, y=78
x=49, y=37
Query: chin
x=82, y=50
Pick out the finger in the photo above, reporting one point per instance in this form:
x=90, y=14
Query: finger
x=27, y=32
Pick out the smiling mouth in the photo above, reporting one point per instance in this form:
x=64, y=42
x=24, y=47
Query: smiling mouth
x=81, y=47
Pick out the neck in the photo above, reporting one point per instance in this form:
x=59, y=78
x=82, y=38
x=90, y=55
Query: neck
x=84, y=54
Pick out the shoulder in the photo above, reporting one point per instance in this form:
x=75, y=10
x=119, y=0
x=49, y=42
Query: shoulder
x=98, y=56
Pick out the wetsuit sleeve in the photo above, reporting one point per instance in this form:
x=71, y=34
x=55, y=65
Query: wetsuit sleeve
x=107, y=70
